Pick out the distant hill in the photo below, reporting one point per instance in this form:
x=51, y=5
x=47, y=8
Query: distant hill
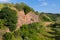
x=51, y=16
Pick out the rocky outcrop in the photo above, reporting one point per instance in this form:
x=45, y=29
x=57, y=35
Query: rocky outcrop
x=26, y=19
x=31, y=17
x=20, y=19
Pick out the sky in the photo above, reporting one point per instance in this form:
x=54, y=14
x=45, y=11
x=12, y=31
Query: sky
x=48, y=6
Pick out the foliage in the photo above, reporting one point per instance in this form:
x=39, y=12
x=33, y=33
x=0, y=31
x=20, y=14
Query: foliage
x=34, y=31
x=56, y=28
x=8, y=5
x=44, y=17
x=7, y=36
x=37, y=13
x=54, y=17
x=2, y=24
x=10, y=16
x=23, y=6
x=16, y=33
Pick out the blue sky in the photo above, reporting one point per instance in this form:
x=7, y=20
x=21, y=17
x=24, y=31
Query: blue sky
x=52, y=6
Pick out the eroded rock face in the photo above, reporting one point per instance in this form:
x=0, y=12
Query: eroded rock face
x=20, y=19
x=26, y=19
x=31, y=17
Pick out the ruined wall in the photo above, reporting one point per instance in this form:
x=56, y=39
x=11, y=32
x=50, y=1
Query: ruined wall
x=20, y=19
x=26, y=19
x=31, y=17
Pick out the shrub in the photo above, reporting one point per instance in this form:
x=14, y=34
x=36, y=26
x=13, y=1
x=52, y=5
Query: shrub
x=17, y=33
x=2, y=22
x=10, y=16
x=23, y=6
x=7, y=36
x=29, y=32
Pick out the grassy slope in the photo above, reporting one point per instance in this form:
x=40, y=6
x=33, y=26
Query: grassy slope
x=43, y=33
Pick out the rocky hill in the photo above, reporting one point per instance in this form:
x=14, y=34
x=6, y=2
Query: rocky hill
x=21, y=22
x=26, y=19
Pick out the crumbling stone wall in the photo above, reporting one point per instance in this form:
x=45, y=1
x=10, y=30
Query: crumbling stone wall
x=26, y=19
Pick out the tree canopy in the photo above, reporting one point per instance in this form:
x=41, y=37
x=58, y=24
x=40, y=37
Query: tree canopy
x=10, y=16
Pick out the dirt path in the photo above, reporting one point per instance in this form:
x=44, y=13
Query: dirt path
x=46, y=23
x=1, y=34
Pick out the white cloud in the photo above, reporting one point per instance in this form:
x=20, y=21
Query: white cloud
x=4, y=0
x=44, y=4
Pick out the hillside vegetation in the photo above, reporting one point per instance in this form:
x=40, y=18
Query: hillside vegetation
x=48, y=27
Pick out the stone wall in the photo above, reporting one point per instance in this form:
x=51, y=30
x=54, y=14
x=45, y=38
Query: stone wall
x=26, y=19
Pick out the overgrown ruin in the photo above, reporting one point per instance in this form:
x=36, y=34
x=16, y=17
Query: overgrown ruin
x=26, y=19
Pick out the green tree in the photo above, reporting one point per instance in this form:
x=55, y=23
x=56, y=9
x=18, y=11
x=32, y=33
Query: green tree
x=10, y=16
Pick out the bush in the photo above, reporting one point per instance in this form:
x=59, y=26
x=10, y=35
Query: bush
x=23, y=6
x=10, y=16
x=7, y=36
x=2, y=26
x=29, y=32
x=17, y=33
